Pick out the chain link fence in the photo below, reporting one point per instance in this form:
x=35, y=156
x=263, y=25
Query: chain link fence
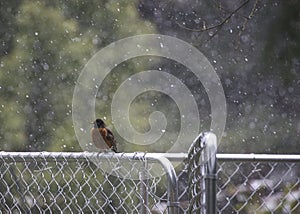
x=258, y=183
x=104, y=182
x=150, y=183
x=72, y=183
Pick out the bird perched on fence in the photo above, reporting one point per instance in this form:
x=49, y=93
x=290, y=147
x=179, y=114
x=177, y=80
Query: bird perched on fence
x=102, y=137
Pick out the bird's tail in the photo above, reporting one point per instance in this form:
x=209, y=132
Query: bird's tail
x=114, y=148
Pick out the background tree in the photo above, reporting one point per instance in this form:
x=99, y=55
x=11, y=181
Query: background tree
x=253, y=46
x=50, y=43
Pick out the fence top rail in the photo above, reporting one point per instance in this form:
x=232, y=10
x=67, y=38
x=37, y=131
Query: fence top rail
x=259, y=157
x=84, y=156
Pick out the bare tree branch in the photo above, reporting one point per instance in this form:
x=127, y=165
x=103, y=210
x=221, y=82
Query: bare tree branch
x=215, y=26
x=251, y=14
x=218, y=6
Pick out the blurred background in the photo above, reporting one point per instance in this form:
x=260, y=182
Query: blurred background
x=253, y=46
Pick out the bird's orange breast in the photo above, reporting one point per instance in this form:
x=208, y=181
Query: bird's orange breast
x=98, y=139
x=103, y=133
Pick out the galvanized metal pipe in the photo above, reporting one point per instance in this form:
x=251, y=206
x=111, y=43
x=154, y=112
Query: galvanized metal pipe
x=258, y=157
x=210, y=172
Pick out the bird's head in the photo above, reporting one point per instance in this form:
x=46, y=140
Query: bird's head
x=98, y=123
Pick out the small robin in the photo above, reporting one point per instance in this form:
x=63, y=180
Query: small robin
x=102, y=137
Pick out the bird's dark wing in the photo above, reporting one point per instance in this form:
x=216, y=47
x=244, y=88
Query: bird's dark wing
x=112, y=140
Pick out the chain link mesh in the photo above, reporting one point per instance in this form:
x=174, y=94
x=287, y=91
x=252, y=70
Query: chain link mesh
x=74, y=184
x=253, y=186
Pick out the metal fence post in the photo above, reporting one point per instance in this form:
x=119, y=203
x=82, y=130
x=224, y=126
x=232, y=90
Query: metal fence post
x=210, y=172
x=172, y=188
x=202, y=174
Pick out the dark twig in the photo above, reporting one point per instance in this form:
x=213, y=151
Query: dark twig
x=216, y=5
x=215, y=26
x=251, y=14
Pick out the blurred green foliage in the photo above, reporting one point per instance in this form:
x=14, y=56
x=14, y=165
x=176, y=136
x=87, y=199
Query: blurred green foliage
x=50, y=43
